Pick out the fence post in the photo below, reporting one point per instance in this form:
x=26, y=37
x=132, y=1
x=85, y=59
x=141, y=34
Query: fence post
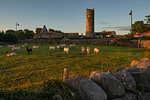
x=66, y=74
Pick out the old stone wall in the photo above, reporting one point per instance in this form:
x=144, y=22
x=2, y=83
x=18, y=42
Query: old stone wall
x=130, y=83
x=102, y=41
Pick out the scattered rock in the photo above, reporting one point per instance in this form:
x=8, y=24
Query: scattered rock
x=140, y=78
x=126, y=79
x=127, y=96
x=134, y=62
x=112, y=86
x=146, y=96
x=87, y=89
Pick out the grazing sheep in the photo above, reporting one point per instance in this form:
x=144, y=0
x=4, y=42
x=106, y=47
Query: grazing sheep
x=1, y=46
x=29, y=50
x=66, y=50
x=15, y=48
x=58, y=47
x=83, y=49
x=62, y=45
x=72, y=45
x=52, y=48
x=11, y=46
x=10, y=54
x=22, y=45
x=88, y=50
x=35, y=47
x=96, y=50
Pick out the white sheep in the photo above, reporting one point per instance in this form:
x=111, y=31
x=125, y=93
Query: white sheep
x=66, y=50
x=62, y=45
x=35, y=47
x=72, y=45
x=96, y=50
x=11, y=46
x=15, y=48
x=52, y=48
x=88, y=50
x=58, y=47
x=10, y=54
x=83, y=49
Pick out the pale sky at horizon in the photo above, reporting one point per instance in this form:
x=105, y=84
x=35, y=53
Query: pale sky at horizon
x=70, y=15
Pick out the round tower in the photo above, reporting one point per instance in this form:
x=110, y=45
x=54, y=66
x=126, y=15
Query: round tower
x=90, y=22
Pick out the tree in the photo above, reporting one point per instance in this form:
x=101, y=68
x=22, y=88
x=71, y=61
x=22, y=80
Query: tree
x=28, y=34
x=138, y=26
x=148, y=19
x=11, y=36
x=51, y=30
x=38, y=30
x=2, y=37
x=20, y=34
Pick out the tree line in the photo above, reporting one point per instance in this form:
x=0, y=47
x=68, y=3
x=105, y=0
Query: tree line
x=140, y=27
x=13, y=36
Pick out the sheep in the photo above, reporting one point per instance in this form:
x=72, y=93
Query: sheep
x=10, y=54
x=88, y=50
x=29, y=50
x=58, y=47
x=62, y=45
x=11, y=46
x=66, y=50
x=1, y=46
x=35, y=47
x=72, y=45
x=83, y=49
x=15, y=48
x=96, y=50
x=52, y=48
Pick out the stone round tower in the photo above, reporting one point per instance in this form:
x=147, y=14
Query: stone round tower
x=90, y=22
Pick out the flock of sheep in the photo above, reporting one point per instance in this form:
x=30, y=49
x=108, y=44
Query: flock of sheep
x=65, y=49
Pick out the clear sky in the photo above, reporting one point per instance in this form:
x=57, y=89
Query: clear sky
x=70, y=15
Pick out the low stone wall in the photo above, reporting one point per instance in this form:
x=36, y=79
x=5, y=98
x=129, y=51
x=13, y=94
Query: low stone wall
x=130, y=83
x=101, y=41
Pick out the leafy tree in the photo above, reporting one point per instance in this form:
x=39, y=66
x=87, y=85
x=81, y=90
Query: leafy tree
x=51, y=30
x=11, y=36
x=138, y=26
x=20, y=34
x=2, y=37
x=38, y=30
x=148, y=19
x=28, y=34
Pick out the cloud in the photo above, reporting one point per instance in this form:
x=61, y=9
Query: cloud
x=104, y=23
x=123, y=28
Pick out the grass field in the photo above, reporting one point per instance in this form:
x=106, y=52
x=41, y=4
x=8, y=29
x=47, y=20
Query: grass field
x=29, y=71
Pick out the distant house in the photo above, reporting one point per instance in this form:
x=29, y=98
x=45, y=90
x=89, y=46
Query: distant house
x=105, y=34
x=72, y=34
x=45, y=34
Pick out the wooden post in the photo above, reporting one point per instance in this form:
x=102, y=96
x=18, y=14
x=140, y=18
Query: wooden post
x=66, y=74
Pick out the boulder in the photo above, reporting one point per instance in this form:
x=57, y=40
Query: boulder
x=134, y=62
x=112, y=86
x=140, y=78
x=146, y=96
x=126, y=79
x=87, y=89
x=127, y=96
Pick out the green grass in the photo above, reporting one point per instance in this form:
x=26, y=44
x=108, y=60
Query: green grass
x=30, y=71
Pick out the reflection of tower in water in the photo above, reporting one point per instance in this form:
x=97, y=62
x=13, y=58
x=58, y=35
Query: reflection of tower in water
x=90, y=22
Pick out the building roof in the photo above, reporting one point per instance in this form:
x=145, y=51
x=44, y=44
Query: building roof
x=72, y=33
x=105, y=33
x=44, y=29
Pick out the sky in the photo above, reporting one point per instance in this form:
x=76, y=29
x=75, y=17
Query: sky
x=70, y=15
